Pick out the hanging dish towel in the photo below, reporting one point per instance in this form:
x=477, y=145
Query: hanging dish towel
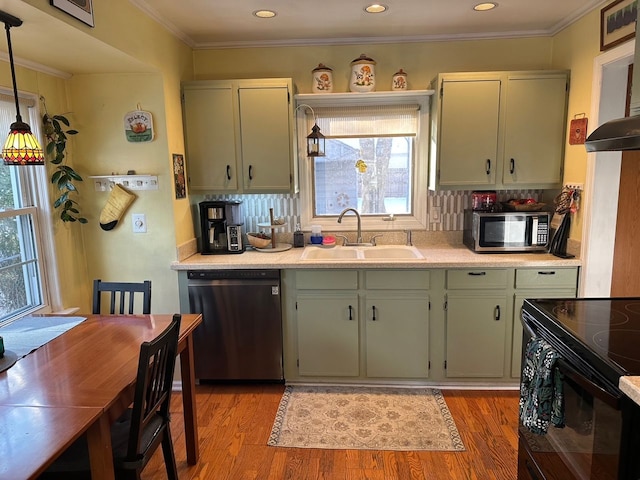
x=541, y=395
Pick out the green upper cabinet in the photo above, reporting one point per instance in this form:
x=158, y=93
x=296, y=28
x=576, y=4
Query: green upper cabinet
x=469, y=132
x=239, y=136
x=498, y=130
x=210, y=136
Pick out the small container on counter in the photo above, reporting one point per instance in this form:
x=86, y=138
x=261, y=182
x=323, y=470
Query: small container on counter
x=316, y=234
x=298, y=237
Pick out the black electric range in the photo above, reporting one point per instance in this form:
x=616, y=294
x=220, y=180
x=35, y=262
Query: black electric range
x=602, y=332
x=597, y=340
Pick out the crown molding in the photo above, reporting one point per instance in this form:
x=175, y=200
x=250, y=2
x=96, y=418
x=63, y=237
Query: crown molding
x=153, y=13
x=38, y=67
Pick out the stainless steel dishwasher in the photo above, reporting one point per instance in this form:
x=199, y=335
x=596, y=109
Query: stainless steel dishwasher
x=240, y=337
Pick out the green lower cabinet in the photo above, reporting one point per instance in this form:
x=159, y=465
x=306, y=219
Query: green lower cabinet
x=327, y=328
x=476, y=329
x=397, y=335
x=516, y=354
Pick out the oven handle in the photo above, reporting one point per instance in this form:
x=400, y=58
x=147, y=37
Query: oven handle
x=592, y=388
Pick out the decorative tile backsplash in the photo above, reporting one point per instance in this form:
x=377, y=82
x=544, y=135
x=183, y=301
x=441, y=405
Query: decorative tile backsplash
x=255, y=207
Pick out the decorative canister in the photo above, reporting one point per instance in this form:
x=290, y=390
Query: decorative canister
x=399, y=81
x=362, y=74
x=322, y=79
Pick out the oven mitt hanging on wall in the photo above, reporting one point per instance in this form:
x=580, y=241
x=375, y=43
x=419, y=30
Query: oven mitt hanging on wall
x=117, y=203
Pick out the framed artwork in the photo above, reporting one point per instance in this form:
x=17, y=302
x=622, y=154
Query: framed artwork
x=80, y=9
x=179, y=176
x=617, y=23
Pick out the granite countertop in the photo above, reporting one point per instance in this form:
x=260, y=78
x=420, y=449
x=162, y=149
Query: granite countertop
x=631, y=387
x=436, y=256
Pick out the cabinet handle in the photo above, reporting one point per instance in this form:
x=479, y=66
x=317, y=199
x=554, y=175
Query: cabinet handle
x=546, y=273
x=374, y=313
x=497, y=313
x=250, y=172
x=228, y=172
x=350, y=312
x=477, y=274
x=488, y=168
x=512, y=166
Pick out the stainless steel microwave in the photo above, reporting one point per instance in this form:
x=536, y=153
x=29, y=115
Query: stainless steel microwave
x=506, y=231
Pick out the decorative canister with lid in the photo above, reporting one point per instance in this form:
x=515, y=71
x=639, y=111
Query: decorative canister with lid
x=399, y=81
x=322, y=79
x=363, y=74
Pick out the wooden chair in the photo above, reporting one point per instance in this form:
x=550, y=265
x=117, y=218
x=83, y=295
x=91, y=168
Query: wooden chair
x=122, y=290
x=136, y=435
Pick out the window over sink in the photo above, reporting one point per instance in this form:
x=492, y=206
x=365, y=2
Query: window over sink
x=376, y=160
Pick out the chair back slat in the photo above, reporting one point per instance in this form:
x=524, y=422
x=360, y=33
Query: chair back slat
x=120, y=291
x=153, y=385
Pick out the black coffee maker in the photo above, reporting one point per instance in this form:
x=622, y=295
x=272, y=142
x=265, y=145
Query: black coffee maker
x=220, y=224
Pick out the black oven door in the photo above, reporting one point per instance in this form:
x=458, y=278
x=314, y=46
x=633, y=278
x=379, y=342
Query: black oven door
x=588, y=446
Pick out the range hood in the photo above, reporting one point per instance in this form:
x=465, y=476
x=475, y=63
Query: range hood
x=622, y=133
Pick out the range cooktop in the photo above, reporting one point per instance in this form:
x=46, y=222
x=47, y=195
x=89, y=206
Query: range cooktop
x=605, y=332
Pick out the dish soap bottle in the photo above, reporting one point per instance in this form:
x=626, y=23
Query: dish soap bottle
x=298, y=237
x=316, y=234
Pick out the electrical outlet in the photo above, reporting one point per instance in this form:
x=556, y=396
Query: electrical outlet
x=139, y=221
x=436, y=214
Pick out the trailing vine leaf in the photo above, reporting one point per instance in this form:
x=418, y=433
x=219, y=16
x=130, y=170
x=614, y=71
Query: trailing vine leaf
x=63, y=176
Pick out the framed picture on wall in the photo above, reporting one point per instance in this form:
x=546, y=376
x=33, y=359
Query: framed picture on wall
x=179, y=178
x=617, y=23
x=80, y=9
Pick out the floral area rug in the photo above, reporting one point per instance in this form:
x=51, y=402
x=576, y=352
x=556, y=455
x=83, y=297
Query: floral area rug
x=364, y=418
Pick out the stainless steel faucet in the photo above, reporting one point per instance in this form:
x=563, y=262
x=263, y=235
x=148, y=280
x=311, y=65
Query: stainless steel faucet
x=359, y=232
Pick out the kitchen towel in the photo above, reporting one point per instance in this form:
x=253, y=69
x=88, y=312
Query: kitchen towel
x=541, y=392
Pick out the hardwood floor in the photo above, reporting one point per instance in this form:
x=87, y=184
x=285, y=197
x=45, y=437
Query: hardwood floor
x=235, y=422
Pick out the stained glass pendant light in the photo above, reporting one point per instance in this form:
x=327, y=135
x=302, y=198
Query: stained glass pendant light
x=21, y=147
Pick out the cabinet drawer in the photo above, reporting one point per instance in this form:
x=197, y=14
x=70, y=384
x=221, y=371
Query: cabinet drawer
x=327, y=279
x=472, y=278
x=546, y=277
x=397, y=279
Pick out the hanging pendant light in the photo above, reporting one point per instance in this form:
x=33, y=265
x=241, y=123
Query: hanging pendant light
x=21, y=147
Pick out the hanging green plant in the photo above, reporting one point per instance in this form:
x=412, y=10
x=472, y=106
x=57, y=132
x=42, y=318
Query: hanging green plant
x=64, y=176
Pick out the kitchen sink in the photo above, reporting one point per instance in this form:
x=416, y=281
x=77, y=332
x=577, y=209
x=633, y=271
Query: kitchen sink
x=391, y=252
x=383, y=252
x=335, y=253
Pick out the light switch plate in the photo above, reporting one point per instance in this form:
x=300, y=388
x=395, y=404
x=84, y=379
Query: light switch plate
x=139, y=221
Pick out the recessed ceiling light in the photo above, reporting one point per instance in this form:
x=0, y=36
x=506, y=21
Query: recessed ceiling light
x=265, y=13
x=483, y=7
x=375, y=8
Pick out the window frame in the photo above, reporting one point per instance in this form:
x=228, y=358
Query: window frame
x=34, y=191
x=417, y=221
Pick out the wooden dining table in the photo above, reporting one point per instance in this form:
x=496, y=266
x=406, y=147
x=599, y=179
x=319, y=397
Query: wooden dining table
x=78, y=384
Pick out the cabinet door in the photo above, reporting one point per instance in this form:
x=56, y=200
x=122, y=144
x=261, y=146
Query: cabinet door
x=468, y=141
x=476, y=333
x=516, y=349
x=210, y=137
x=534, y=131
x=328, y=334
x=265, y=131
x=397, y=335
